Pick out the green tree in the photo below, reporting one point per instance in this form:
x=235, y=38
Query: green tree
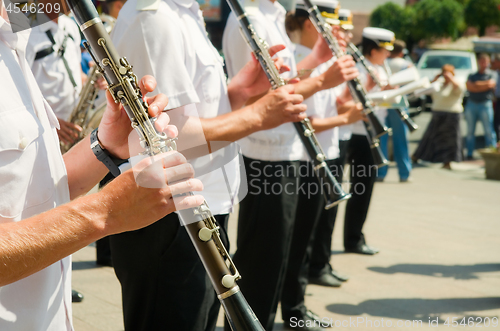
x=482, y=13
x=393, y=17
x=438, y=19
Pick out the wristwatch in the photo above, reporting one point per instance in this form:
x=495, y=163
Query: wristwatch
x=104, y=156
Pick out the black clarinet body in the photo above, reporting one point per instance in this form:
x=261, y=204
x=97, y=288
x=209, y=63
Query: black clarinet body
x=355, y=86
x=333, y=192
x=199, y=222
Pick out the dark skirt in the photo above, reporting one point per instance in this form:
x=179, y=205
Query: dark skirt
x=442, y=141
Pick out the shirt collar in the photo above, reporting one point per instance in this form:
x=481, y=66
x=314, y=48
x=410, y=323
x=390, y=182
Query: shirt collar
x=16, y=41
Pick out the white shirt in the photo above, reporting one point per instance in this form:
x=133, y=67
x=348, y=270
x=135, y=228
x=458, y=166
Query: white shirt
x=358, y=127
x=172, y=45
x=323, y=104
x=301, y=52
x=50, y=71
x=281, y=143
x=33, y=179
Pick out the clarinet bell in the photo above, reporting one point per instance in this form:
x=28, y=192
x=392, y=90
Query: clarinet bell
x=378, y=157
x=332, y=189
x=412, y=126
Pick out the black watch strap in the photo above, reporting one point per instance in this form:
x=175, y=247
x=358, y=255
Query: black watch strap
x=103, y=155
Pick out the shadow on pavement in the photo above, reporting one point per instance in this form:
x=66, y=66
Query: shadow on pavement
x=437, y=270
x=414, y=308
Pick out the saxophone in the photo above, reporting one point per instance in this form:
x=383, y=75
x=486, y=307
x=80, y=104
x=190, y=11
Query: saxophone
x=86, y=114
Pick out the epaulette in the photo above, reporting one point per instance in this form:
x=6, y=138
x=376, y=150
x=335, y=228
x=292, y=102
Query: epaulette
x=143, y=5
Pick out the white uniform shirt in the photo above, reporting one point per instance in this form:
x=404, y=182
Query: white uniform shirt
x=358, y=127
x=172, y=45
x=33, y=180
x=301, y=52
x=50, y=71
x=323, y=104
x=283, y=142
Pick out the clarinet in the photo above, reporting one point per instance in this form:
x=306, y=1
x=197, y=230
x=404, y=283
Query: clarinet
x=354, y=85
x=334, y=194
x=202, y=227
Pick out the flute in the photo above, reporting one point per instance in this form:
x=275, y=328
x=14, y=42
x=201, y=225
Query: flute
x=202, y=228
x=333, y=193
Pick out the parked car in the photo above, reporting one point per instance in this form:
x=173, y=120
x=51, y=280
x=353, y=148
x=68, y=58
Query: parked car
x=432, y=61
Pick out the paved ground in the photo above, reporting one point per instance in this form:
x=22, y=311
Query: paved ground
x=440, y=242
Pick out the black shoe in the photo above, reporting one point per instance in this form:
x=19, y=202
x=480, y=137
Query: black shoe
x=339, y=276
x=309, y=322
x=76, y=296
x=104, y=262
x=326, y=279
x=363, y=249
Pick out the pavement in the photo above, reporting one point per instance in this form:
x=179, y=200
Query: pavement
x=439, y=237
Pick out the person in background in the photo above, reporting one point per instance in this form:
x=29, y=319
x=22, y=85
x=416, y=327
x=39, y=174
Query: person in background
x=495, y=65
x=481, y=87
x=54, y=56
x=442, y=140
x=396, y=63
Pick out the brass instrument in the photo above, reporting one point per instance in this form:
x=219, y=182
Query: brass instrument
x=86, y=114
x=199, y=222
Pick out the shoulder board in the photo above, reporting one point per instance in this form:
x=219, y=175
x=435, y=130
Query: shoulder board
x=143, y=5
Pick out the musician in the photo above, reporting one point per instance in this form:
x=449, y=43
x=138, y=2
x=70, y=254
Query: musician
x=377, y=44
x=273, y=159
x=325, y=119
x=321, y=271
x=54, y=56
x=39, y=226
x=397, y=63
x=156, y=295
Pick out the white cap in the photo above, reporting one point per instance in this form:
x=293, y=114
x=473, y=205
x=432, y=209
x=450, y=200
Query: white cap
x=345, y=18
x=328, y=9
x=382, y=37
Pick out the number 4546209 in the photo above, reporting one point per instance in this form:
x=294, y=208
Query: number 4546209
x=477, y=322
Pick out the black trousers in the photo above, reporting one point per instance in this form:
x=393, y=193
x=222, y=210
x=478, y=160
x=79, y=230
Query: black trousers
x=322, y=242
x=164, y=284
x=265, y=228
x=363, y=174
x=310, y=208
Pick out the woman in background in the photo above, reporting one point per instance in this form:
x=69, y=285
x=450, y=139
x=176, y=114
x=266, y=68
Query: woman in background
x=442, y=141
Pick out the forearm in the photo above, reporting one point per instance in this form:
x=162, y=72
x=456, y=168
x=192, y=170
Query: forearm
x=35, y=243
x=237, y=96
x=323, y=124
x=478, y=87
x=83, y=168
x=309, y=86
x=231, y=126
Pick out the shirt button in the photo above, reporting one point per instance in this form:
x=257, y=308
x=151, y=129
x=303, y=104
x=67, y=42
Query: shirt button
x=23, y=143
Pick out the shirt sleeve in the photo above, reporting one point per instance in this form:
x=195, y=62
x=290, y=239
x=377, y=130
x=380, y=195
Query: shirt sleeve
x=153, y=43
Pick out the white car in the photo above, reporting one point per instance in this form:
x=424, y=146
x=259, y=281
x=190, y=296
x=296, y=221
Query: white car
x=432, y=61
